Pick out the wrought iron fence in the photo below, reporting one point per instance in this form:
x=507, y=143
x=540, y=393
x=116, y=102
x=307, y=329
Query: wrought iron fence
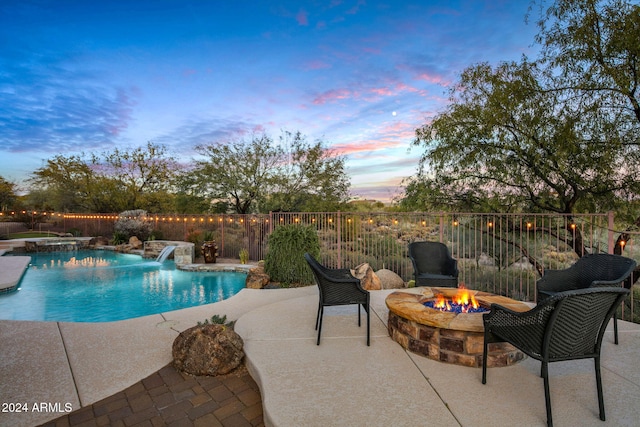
x=7, y=228
x=499, y=253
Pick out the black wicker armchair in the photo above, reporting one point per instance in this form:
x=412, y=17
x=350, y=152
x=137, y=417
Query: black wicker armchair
x=567, y=326
x=433, y=265
x=338, y=287
x=594, y=270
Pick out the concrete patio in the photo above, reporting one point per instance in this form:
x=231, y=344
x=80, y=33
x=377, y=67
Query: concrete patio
x=341, y=382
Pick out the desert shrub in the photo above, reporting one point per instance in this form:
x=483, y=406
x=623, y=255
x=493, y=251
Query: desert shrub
x=514, y=283
x=75, y=232
x=133, y=223
x=287, y=244
x=194, y=236
x=156, y=235
x=630, y=307
x=216, y=319
x=119, y=238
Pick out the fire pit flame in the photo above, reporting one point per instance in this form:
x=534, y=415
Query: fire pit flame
x=461, y=302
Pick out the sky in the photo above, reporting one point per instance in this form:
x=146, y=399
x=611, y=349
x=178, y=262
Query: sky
x=361, y=75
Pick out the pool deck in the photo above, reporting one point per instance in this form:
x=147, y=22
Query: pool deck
x=341, y=382
x=12, y=269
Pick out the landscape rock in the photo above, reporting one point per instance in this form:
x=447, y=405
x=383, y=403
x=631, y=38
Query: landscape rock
x=257, y=278
x=135, y=242
x=368, y=278
x=210, y=349
x=124, y=248
x=99, y=241
x=390, y=280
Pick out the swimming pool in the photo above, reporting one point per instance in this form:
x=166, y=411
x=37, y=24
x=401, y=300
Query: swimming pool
x=102, y=286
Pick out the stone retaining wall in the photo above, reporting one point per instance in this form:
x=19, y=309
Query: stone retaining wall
x=184, y=253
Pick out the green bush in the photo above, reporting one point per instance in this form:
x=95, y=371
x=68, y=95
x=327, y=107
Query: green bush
x=218, y=320
x=119, y=238
x=285, y=261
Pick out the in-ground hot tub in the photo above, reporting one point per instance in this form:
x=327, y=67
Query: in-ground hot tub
x=446, y=336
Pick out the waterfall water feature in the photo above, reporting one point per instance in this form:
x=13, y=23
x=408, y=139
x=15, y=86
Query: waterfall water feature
x=164, y=254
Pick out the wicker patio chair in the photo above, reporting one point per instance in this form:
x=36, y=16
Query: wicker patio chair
x=337, y=287
x=433, y=265
x=567, y=326
x=594, y=270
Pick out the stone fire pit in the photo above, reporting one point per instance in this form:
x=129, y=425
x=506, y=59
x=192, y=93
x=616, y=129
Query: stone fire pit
x=447, y=336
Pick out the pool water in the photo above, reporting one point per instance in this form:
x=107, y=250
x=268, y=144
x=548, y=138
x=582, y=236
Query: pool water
x=102, y=286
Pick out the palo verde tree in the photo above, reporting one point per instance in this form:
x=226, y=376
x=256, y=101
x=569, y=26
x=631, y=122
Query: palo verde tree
x=523, y=135
x=259, y=175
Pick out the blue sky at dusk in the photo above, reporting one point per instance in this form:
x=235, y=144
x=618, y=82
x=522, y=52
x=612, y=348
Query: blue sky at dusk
x=89, y=76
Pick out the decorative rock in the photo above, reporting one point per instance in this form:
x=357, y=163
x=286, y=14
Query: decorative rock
x=390, y=280
x=257, y=278
x=368, y=278
x=99, y=241
x=207, y=350
x=135, y=242
x=125, y=248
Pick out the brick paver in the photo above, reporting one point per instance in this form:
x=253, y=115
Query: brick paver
x=171, y=398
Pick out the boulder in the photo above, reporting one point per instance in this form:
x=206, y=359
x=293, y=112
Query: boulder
x=125, y=248
x=390, y=280
x=368, y=278
x=99, y=241
x=135, y=242
x=210, y=349
x=257, y=278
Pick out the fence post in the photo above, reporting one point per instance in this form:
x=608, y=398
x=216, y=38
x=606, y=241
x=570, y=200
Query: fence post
x=222, y=236
x=270, y=222
x=339, y=238
x=610, y=228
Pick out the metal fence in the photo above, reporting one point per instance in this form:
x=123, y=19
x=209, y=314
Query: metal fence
x=499, y=253
x=7, y=228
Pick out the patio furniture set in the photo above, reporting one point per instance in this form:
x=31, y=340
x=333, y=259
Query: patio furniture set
x=573, y=308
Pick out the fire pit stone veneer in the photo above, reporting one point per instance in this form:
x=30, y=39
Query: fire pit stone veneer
x=447, y=336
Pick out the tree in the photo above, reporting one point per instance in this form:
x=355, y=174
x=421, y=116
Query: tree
x=140, y=173
x=593, y=46
x=559, y=134
x=114, y=181
x=505, y=134
x=8, y=196
x=259, y=175
x=69, y=182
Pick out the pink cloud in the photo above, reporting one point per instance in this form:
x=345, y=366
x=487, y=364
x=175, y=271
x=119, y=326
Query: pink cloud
x=316, y=65
x=433, y=78
x=383, y=91
x=365, y=146
x=302, y=18
x=333, y=95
